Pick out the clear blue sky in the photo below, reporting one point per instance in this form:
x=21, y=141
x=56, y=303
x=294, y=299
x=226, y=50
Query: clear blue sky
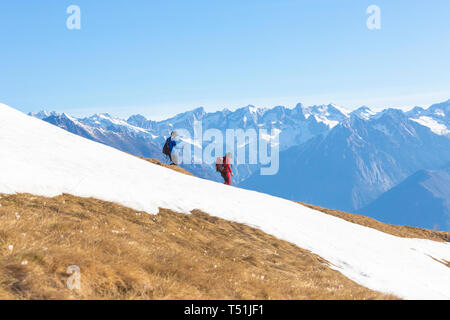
x=162, y=57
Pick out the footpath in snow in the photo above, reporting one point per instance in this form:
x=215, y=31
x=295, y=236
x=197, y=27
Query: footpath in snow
x=41, y=159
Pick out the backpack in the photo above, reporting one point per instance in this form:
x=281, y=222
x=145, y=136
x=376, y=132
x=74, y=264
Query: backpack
x=220, y=166
x=166, y=148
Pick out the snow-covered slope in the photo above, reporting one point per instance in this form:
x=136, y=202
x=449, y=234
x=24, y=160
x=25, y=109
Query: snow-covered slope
x=39, y=158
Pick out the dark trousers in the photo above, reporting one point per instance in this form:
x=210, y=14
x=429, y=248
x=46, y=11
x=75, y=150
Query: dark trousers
x=227, y=177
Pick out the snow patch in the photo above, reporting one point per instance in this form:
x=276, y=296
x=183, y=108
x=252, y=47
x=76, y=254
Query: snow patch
x=433, y=125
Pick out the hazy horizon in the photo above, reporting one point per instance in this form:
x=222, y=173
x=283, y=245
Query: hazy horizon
x=122, y=115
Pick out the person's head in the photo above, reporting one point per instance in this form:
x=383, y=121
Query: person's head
x=229, y=155
x=174, y=134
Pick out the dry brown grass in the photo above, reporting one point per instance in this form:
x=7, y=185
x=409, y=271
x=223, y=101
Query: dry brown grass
x=165, y=165
x=444, y=262
x=124, y=254
x=399, y=231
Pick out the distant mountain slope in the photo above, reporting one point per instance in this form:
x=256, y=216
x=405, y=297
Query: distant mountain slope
x=355, y=162
x=423, y=200
x=110, y=131
x=39, y=158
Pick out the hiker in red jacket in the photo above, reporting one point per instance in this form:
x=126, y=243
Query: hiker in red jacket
x=227, y=172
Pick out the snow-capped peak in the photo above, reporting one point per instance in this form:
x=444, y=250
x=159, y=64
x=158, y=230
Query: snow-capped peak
x=252, y=109
x=195, y=114
x=105, y=121
x=137, y=117
x=331, y=115
x=43, y=114
x=363, y=112
x=342, y=110
x=65, y=115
